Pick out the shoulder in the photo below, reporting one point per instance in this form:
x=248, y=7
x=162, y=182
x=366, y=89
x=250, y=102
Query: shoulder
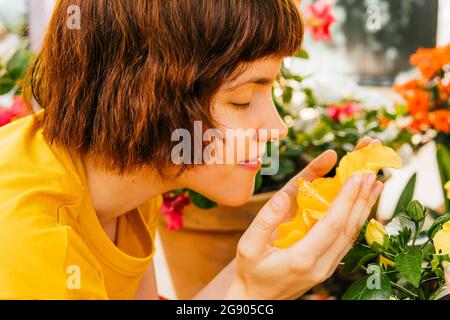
x=42, y=259
x=32, y=254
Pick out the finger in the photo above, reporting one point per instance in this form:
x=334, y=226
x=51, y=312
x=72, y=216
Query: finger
x=447, y=277
x=326, y=231
x=363, y=142
x=360, y=206
x=338, y=250
x=257, y=237
x=316, y=169
x=374, y=194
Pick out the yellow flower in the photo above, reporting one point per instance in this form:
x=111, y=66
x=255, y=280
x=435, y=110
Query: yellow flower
x=447, y=187
x=369, y=159
x=314, y=198
x=375, y=233
x=385, y=262
x=441, y=239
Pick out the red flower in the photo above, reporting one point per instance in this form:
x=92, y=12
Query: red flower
x=343, y=112
x=172, y=209
x=319, y=18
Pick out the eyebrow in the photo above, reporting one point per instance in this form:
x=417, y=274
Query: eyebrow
x=260, y=81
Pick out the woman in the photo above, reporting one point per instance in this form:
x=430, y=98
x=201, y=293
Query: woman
x=82, y=178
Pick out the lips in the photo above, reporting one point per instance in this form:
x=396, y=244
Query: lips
x=251, y=164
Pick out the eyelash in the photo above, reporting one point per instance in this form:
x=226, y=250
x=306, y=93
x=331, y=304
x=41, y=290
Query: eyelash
x=241, y=106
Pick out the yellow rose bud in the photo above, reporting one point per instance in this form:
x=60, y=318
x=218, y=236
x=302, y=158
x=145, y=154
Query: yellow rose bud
x=441, y=239
x=375, y=233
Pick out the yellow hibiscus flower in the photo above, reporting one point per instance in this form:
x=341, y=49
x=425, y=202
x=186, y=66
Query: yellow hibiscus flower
x=441, y=239
x=314, y=198
x=447, y=187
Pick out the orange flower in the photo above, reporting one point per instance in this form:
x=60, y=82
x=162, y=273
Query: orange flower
x=421, y=121
x=416, y=96
x=440, y=120
x=431, y=61
x=314, y=198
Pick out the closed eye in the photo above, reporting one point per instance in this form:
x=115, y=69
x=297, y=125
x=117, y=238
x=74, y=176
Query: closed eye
x=241, y=106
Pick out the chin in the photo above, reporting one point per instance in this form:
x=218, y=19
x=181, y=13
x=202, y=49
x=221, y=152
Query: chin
x=238, y=198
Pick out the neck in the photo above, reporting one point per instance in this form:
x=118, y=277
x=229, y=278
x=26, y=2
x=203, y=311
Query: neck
x=114, y=195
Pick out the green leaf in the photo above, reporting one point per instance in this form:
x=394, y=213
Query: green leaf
x=287, y=95
x=406, y=196
x=409, y=265
x=302, y=54
x=201, y=201
x=258, y=181
x=6, y=85
x=18, y=64
x=286, y=168
x=364, y=288
x=357, y=256
x=443, y=160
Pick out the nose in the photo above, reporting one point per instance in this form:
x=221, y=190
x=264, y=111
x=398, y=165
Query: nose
x=272, y=123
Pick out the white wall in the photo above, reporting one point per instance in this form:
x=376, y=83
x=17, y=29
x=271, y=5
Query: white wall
x=444, y=23
x=40, y=13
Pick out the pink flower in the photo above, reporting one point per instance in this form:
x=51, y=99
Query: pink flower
x=172, y=209
x=343, y=112
x=6, y=116
x=319, y=18
x=18, y=110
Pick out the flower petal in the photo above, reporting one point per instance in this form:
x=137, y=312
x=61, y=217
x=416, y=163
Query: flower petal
x=373, y=157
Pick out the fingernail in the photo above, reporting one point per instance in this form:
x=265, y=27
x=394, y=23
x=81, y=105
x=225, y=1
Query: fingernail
x=278, y=203
x=356, y=180
x=370, y=179
x=376, y=141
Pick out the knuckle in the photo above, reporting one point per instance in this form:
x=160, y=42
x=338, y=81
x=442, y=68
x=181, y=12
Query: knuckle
x=243, y=252
x=352, y=232
x=301, y=264
x=334, y=227
x=264, y=222
x=320, y=277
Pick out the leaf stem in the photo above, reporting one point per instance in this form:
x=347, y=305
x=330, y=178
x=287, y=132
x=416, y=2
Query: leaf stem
x=416, y=232
x=404, y=290
x=423, y=246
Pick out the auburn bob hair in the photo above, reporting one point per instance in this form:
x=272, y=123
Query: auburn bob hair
x=136, y=70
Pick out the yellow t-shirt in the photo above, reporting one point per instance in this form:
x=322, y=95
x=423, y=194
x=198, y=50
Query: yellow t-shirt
x=52, y=245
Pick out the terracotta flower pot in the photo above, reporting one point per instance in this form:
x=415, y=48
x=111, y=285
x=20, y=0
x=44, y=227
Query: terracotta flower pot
x=206, y=244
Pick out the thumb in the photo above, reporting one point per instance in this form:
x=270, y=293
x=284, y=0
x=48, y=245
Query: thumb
x=258, y=235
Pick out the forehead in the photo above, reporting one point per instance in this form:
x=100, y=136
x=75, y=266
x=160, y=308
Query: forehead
x=258, y=72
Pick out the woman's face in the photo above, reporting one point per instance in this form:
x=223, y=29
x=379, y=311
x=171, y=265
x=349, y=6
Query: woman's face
x=247, y=120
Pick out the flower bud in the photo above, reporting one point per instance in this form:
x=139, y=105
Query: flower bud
x=416, y=211
x=376, y=235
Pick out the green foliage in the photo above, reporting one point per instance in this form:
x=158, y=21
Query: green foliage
x=406, y=195
x=417, y=271
x=443, y=159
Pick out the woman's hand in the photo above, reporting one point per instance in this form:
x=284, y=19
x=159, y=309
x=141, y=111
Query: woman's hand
x=265, y=272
